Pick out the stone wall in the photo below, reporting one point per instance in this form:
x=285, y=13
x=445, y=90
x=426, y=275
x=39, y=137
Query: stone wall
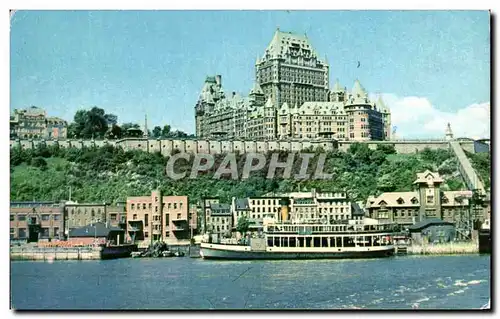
x=167, y=146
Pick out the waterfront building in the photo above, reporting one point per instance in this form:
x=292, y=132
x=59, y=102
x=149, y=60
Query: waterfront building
x=34, y=123
x=97, y=233
x=432, y=230
x=291, y=99
x=81, y=214
x=330, y=207
x=294, y=207
x=427, y=201
x=116, y=214
x=33, y=221
x=158, y=218
x=205, y=212
x=219, y=219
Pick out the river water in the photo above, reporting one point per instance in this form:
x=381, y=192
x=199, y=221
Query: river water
x=430, y=282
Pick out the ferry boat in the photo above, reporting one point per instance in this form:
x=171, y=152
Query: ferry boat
x=355, y=239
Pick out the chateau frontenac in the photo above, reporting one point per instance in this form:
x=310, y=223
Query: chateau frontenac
x=291, y=99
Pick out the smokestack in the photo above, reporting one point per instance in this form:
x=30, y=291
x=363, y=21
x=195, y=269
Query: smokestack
x=284, y=202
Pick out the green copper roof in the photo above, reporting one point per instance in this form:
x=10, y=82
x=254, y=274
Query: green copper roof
x=283, y=41
x=256, y=89
x=358, y=89
x=337, y=87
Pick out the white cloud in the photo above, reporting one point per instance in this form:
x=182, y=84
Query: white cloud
x=416, y=117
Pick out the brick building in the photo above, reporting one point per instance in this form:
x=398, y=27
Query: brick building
x=81, y=214
x=158, y=218
x=36, y=220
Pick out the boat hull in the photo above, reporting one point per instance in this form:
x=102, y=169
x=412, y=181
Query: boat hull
x=228, y=254
x=484, y=242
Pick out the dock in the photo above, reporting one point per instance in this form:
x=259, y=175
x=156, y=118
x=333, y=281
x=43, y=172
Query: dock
x=71, y=253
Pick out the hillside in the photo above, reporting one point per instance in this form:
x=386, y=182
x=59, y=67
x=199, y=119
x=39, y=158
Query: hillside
x=481, y=162
x=111, y=174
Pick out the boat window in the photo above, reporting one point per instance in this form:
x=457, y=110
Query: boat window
x=270, y=241
x=324, y=241
x=317, y=242
x=308, y=241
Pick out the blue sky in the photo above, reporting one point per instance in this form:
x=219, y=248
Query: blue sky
x=136, y=62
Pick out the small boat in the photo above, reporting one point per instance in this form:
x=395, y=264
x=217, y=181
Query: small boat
x=179, y=254
x=167, y=253
x=136, y=254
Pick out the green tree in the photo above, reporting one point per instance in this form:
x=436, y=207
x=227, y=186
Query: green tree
x=157, y=131
x=39, y=162
x=111, y=119
x=114, y=132
x=243, y=225
x=166, y=131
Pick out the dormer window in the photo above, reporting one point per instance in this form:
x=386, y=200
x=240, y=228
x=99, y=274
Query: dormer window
x=400, y=201
x=414, y=200
x=445, y=200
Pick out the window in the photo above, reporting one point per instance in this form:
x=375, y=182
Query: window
x=146, y=220
x=22, y=218
x=12, y=230
x=167, y=234
x=146, y=234
x=169, y=205
x=12, y=218
x=45, y=217
x=134, y=217
x=430, y=199
x=150, y=205
x=22, y=232
x=113, y=216
x=45, y=232
x=57, y=217
x=56, y=231
x=156, y=199
x=175, y=205
x=144, y=206
x=132, y=206
x=167, y=219
x=178, y=216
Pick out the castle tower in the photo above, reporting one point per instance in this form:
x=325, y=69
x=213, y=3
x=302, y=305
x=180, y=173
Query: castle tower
x=448, y=133
x=291, y=68
x=256, y=95
x=338, y=93
x=386, y=119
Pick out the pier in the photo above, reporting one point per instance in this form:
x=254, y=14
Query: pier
x=71, y=253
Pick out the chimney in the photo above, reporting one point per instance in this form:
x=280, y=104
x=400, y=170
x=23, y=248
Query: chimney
x=218, y=80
